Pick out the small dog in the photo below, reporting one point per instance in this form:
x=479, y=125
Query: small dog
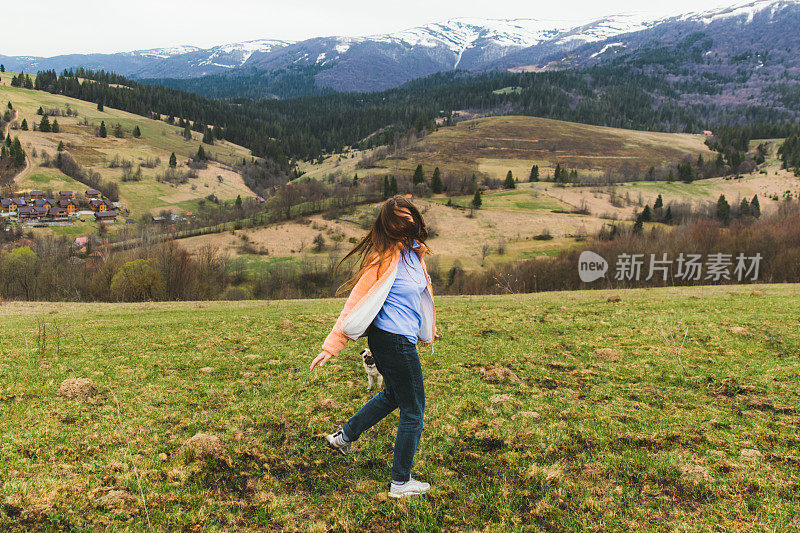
x=369, y=367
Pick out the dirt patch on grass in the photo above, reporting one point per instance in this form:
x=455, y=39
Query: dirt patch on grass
x=77, y=388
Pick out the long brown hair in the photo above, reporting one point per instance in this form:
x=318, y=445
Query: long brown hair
x=389, y=232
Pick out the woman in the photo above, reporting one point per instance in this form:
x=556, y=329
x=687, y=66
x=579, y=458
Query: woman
x=392, y=304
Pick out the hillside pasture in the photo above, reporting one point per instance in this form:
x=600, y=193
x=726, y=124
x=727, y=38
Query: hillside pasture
x=495, y=145
x=559, y=411
x=158, y=140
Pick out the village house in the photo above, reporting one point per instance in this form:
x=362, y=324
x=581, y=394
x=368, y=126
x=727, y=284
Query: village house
x=99, y=206
x=65, y=207
x=70, y=205
x=105, y=216
x=58, y=213
x=92, y=193
x=25, y=212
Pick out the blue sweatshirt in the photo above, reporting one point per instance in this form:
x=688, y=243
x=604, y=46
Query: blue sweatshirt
x=401, y=312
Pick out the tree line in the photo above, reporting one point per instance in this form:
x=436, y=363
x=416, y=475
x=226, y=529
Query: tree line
x=305, y=127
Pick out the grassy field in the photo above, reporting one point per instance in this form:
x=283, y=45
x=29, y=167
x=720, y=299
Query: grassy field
x=560, y=411
x=158, y=140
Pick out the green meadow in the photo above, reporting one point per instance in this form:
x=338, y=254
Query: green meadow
x=669, y=409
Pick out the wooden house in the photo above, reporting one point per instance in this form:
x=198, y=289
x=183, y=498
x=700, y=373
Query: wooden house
x=65, y=195
x=25, y=212
x=92, y=193
x=70, y=205
x=58, y=212
x=7, y=205
x=105, y=216
x=98, y=206
x=36, y=195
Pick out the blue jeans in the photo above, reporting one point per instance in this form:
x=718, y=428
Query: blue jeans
x=397, y=359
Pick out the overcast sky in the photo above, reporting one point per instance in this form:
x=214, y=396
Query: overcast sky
x=52, y=27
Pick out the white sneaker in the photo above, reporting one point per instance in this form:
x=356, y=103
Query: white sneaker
x=412, y=487
x=336, y=441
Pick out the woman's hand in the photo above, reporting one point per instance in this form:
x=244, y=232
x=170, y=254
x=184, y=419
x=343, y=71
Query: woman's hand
x=321, y=359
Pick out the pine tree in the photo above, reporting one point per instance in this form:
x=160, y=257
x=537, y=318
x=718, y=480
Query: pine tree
x=44, y=125
x=173, y=161
x=387, y=191
x=686, y=172
x=187, y=133
x=723, y=210
x=118, y=131
x=137, y=132
x=9, y=106
x=659, y=203
x=60, y=146
x=436, y=181
x=24, y=125
x=28, y=82
x=647, y=214
x=509, y=183
x=201, y=154
x=668, y=215
x=476, y=199
x=17, y=153
x=638, y=225
x=40, y=111
x=103, y=133
x=100, y=106
x=755, y=207
x=55, y=128
x=2, y=68
x=355, y=180
x=744, y=208
x=534, y=173
x=419, y=175
x=238, y=201
x=393, y=186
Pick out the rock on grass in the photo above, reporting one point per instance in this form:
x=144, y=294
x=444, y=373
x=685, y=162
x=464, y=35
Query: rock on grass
x=614, y=298
x=738, y=330
x=74, y=388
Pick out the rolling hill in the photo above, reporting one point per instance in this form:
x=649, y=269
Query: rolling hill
x=495, y=145
x=107, y=156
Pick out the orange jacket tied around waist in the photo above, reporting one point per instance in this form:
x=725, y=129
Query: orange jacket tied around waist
x=367, y=298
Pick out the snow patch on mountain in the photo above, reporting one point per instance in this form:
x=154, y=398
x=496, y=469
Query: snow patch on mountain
x=164, y=53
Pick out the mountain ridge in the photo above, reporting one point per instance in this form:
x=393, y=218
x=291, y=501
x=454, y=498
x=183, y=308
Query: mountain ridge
x=383, y=61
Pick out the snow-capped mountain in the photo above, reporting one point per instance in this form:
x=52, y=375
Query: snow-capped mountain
x=382, y=61
x=178, y=61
